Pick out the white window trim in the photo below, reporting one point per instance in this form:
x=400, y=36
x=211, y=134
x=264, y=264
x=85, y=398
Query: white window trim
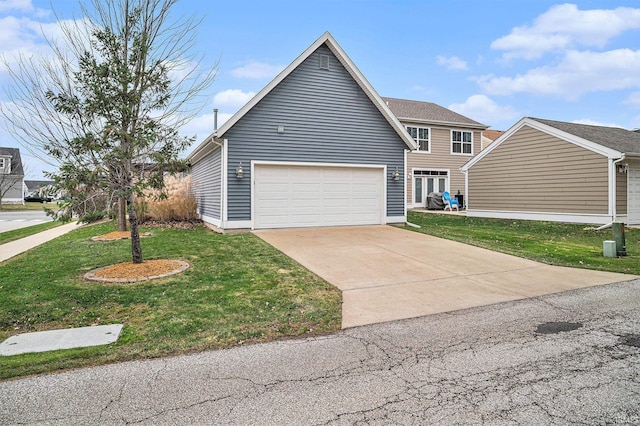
x=3, y=163
x=418, y=150
x=451, y=143
x=447, y=184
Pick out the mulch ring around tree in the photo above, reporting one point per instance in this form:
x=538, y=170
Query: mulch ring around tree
x=129, y=272
x=118, y=235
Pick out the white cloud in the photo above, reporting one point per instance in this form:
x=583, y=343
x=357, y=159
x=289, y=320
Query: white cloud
x=202, y=126
x=256, y=70
x=577, y=73
x=483, y=109
x=452, y=63
x=19, y=5
x=633, y=99
x=232, y=98
x=564, y=27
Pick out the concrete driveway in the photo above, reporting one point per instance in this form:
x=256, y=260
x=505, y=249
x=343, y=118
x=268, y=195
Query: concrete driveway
x=386, y=273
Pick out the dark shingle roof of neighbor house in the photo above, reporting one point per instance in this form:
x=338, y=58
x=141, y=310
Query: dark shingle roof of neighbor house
x=16, y=161
x=616, y=138
x=34, y=185
x=429, y=112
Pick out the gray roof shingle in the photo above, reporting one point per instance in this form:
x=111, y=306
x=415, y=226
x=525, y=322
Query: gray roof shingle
x=16, y=161
x=622, y=140
x=407, y=110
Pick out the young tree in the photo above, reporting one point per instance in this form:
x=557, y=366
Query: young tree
x=109, y=107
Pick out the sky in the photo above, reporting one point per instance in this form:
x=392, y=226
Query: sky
x=493, y=61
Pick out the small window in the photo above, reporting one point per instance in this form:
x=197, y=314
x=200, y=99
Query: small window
x=2, y=163
x=324, y=62
x=421, y=136
x=461, y=142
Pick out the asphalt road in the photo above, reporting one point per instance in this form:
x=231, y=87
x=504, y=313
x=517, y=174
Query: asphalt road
x=508, y=363
x=10, y=220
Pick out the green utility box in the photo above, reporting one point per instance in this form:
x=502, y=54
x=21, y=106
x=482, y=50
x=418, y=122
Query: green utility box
x=618, y=237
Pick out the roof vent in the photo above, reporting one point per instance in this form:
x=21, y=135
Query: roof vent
x=324, y=62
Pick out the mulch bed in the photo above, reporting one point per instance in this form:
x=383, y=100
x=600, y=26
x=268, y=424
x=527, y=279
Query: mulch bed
x=129, y=272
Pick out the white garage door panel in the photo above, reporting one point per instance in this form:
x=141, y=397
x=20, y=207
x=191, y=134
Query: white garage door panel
x=633, y=194
x=299, y=196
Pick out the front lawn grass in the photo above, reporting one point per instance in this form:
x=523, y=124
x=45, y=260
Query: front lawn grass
x=553, y=243
x=239, y=291
x=16, y=234
x=30, y=206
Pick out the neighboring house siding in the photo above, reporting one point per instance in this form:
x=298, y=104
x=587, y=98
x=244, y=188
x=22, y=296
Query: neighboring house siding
x=440, y=158
x=327, y=119
x=621, y=193
x=206, y=175
x=14, y=193
x=536, y=172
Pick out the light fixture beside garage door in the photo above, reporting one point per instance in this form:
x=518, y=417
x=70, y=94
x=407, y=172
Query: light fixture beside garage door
x=239, y=171
x=396, y=174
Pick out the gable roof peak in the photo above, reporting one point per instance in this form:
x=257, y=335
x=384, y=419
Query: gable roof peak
x=352, y=69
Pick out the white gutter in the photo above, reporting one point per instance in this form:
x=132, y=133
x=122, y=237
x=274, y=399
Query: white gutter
x=614, y=198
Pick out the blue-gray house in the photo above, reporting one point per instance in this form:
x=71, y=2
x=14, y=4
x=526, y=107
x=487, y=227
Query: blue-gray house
x=316, y=147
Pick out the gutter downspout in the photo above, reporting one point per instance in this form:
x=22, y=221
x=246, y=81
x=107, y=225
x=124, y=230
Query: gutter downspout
x=613, y=187
x=614, y=196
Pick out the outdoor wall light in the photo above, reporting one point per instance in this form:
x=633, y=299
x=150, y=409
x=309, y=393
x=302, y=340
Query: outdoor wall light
x=396, y=174
x=622, y=168
x=239, y=171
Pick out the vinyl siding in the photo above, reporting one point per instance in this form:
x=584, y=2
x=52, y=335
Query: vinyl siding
x=621, y=193
x=440, y=158
x=327, y=119
x=15, y=191
x=536, y=172
x=206, y=175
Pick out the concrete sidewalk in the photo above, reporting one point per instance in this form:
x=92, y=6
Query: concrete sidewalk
x=386, y=273
x=13, y=248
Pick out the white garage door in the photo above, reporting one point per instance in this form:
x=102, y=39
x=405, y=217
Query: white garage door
x=633, y=191
x=300, y=196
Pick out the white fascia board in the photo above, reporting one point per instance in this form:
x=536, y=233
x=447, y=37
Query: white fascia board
x=369, y=90
x=526, y=121
x=583, y=143
x=409, y=121
x=206, y=147
x=483, y=153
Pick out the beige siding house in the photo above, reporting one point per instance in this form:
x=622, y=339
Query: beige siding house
x=446, y=141
x=557, y=171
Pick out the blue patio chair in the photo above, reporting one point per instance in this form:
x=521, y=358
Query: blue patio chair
x=449, y=203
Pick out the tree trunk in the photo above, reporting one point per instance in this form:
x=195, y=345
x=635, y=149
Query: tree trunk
x=136, y=248
x=122, y=214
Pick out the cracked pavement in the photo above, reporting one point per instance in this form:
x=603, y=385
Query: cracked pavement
x=484, y=365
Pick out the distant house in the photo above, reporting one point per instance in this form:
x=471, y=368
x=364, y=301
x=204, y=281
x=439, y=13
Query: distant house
x=488, y=136
x=445, y=141
x=316, y=147
x=40, y=188
x=557, y=171
x=11, y=176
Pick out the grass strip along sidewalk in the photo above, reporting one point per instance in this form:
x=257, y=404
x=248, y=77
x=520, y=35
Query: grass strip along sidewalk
x=16, y=234
x=240, y=290
x=573, y=245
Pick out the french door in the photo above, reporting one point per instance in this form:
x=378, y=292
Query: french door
x=427, y=181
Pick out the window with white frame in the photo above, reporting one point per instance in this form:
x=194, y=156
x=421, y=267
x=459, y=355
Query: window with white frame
x=3, y=164
x=421, y=136
x=461, y=142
